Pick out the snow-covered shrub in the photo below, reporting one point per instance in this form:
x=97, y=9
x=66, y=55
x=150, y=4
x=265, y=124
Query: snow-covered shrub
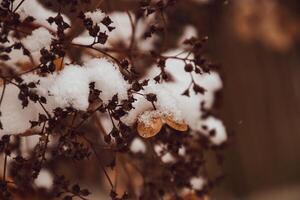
x=116, y=85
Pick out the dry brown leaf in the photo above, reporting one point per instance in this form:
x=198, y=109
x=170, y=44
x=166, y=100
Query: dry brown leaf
x=175, y=124
x=151, y=129
x=59, y=65
x=25, y=66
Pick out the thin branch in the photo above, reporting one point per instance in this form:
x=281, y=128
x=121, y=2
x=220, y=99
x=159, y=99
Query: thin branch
x=4, y=168
x=99, y=160
x=3, y=90
x=22, y=1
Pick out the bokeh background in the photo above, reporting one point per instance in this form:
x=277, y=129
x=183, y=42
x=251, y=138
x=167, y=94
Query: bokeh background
x=257, y=44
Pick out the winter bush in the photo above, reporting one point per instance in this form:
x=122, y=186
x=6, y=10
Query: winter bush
x=74, y=86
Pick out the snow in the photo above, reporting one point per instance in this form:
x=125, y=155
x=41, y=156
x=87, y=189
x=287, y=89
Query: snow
x=182, y=151
x=165, y=156
x=97, y=15
x=40, y=38
x=171, y=102
x=30, y=8
x=166, y=104
x=189, y=31
x=44, y=179
x=197, y=183
x=14, y=118
x=188, y=108
x=71, y=88
x=147, y=116
x=107, y=78
x=138, y=146
x=216, y=125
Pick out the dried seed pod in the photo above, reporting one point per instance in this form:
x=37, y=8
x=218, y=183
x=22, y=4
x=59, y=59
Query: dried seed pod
x=178, y=125
x=150, y=129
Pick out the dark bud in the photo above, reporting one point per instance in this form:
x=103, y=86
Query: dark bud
x=18, y=79
x=29, y=19
x=31, y=85
x=107, y=139
x=136, y=86
x=42, y=118
x=165, y=76
x=102, y=38
x=25, y=103
x=18, y=45
x=197, y=70
x=33, y=97
x=151, y=97
x=106, y=21
x=157, y=79
x=161, y=63
x=50, y=20
x=26, y=52
x=198, y=89
x=110, y=28
x=188, y=67
x=33, y=124
x=186, y=93
x=43, y=100
x=125, y=64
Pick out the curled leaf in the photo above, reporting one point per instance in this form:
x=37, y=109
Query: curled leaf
x=178, y=125
x=150, y=129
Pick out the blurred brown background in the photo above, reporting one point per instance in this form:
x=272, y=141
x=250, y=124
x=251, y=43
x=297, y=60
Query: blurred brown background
x=257, y=43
